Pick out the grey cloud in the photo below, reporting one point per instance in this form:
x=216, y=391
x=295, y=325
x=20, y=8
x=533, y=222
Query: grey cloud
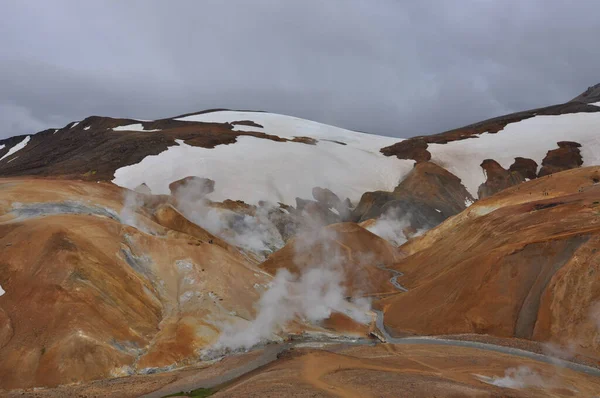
x=397, y=68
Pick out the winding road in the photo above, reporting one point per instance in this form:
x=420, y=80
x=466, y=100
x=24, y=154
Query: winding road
x=394, y=279
x=472, y=344
x=484, y=346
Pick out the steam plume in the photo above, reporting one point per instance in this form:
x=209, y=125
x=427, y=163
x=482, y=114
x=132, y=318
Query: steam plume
x=312, y=295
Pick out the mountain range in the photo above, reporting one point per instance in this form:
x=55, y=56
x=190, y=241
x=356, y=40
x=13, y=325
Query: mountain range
x=244, y=253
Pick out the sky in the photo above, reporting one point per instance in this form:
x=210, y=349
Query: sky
x=389, y=67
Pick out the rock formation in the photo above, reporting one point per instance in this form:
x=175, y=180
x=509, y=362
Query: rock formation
x=567, y=156
x=497, y=178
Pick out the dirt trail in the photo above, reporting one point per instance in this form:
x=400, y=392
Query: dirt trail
x=268, y=355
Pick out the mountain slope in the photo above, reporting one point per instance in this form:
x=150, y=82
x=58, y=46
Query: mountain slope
x=89, y=296
x=517, y=264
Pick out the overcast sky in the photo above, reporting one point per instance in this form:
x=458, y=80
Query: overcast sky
x=389, y=67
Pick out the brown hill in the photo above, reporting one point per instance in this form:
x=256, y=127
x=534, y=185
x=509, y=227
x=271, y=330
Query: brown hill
x=511, y=265
x=97, y=289
x=89, y=297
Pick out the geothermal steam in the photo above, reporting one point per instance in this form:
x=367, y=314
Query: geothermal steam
x=517, y=378
x=255, y=233
x=392, y=226
x=128, y=212
x=311, y=296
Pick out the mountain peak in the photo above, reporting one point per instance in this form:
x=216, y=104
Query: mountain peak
x=592, y=94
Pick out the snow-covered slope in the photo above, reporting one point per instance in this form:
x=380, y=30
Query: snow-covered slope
x=16, y=148
x=252, y=169
x=531, y=138
x=132, y=127
x=290, y=127
x=347, y=162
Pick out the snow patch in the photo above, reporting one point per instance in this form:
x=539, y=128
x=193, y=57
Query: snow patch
x=87, y=128
x=256, y=169
x=291, y=127
x=530, y=138
x=74, y=125
x=468, y=202
x=133, y=127
x=16, y=148
x=2, y=147
x=1, y=291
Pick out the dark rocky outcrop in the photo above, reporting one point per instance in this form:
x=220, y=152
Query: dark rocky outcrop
x=284, y=218
x=498, y=178
x=526, y=167
x=305, y=140
x=435, y=186
x=409, y=149
x=319, y=214
x=194, y=188
x=370, y=205
x=591, y=95
x=428, y=195
x=246, y=123
x=326, y=197
x=567, y=156
x=330, y=200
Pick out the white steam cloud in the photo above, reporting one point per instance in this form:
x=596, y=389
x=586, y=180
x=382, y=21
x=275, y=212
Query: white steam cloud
x=132, y=203
x=394, y=227
x=517, y=378
x=253, y=232
x=312, y=296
